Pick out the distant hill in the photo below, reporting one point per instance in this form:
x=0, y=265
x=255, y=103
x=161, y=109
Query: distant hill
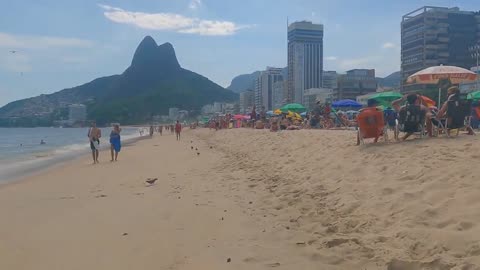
x=152, y=84
x=392, y=80
x=244, y=82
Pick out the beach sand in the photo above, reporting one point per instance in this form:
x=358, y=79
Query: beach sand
x=252, y=199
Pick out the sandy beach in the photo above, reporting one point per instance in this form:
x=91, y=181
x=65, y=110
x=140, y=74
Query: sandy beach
x=251, y=199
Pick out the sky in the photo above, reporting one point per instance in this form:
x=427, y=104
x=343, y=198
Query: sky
x=59, y=44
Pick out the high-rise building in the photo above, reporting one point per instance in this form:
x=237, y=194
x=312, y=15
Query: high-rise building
x=264, y=87
x=173, y=113
x=355, y=83
x=247, y=100
x=77, y=113
x=305, y=59
x=217, y=107
x=279, y=94
x=329, y=79
x=433, y=36
x=312, y=95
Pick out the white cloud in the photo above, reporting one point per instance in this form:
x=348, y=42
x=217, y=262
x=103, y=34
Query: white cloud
x=388, y=45
x=331, y=58
x=194, y=4
x=41, y=42
x=171, y=22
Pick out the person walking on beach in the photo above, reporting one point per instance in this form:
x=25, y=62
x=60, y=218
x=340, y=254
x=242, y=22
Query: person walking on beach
x=160, y=130
x=172, y=129
x=94, y=135
x=115, y=144
x=178, y=129
x=151, y=131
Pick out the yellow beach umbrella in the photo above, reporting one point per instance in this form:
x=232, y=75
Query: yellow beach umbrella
x=277, y=112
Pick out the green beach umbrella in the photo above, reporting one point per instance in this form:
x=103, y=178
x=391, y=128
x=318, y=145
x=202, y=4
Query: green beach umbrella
x=386, y=98
x=474, y=95
x=293, y=107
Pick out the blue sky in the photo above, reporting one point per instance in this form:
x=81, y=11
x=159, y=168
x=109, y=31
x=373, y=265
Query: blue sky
x=66, y=43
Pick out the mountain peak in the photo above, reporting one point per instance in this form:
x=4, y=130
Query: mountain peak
x=150, y=55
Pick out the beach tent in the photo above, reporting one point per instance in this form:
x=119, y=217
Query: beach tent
x=293, y=107
x=345, y=103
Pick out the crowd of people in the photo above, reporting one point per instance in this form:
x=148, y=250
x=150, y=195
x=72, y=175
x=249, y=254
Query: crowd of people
x=419, y=116
x=412, y=117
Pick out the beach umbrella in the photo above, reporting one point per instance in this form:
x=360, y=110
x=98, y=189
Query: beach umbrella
x=238, y=116
x=426, y=101
x=386, y=98
x=433, y=75
x=293, y=107
x=474, y=95
x=270, y=113
x=346, y=103
x=303, y=114
x=277, y=112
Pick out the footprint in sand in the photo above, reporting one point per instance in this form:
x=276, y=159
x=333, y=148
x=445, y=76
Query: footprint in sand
x=101, y=196
x=67, y=198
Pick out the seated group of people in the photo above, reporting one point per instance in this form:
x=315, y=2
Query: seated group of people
x=285, y=123
x=414, y=116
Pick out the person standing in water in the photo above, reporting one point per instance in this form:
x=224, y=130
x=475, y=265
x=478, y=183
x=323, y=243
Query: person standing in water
x=178, y=129
x=115, y=144
x=94, y=135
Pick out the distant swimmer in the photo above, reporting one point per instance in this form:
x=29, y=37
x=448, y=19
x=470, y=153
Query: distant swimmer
x=41, y=142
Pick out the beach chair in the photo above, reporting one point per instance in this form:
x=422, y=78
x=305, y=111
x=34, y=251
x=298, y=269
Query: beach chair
x=411, y=119
x=371, y=124
x=458, y=116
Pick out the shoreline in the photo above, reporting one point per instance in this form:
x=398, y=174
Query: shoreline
x=20, y=173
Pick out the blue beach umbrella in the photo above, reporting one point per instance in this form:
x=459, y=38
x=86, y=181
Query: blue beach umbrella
x=346, y=103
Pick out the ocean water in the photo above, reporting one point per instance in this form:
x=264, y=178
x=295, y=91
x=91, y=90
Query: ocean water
x=21, y=152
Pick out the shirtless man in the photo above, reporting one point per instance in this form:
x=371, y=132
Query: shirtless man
x=94, y=135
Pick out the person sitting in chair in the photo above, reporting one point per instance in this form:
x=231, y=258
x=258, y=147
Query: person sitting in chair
x=453, y=94
x=412, y=115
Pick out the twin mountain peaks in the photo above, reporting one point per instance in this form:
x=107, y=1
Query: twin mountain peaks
x=152, y=84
